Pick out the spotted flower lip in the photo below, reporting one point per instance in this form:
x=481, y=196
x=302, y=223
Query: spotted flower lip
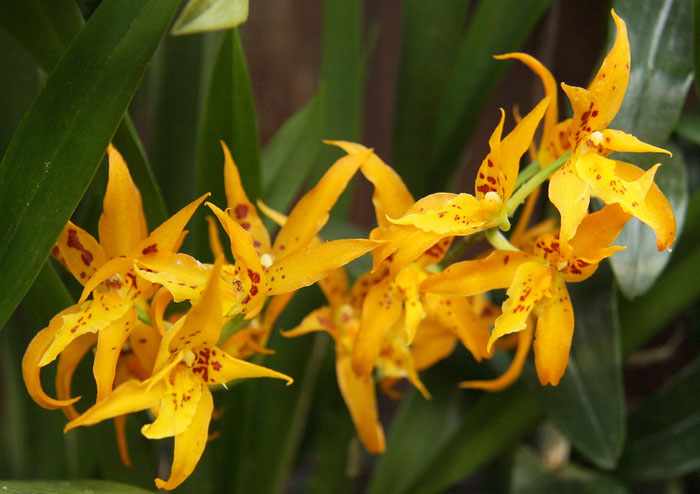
x=187, y=362
x=589, y=171
x=105, y=268
x=536, y=284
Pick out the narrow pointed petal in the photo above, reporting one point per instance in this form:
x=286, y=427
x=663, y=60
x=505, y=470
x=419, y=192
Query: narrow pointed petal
x=31, y=371
x=218, y=367
x=182, y=275
x=433, y=342
x=122, y=224
x=436, y=253
x=81, y=253
x=131, y=396
x=311, y=212
x=610, y=83
x=110, y=341
x=556, y=143
x=279, y=218
x=274, y=308
x=308, y=265
x=204, y=320
x=551, y=116
x=120, y=432
x=335, y=287
x=516, y=143
x=159, y=303
x=460, y=214
x=391, y=196
x=360, y=397
x=396, y=361
x=588, y=113
x=320, y=319
x=490, y=175
x=364, y=284
x=214, y=240
x=602, y=177
x=69, y=359
x=241, y=210
x=408, y=281
x=415, y=248
x=555, y=328
x=514, y=369
x=570, y=195
x=189, y=445
x=659, y=211
x=166, y=236
x=177, y=407
x=597, y=231
x=94, y=315
x=616, y=140
x=457, y=316
x=531, y=284
x=104, y=273
x=468, y=278
x=380, y=310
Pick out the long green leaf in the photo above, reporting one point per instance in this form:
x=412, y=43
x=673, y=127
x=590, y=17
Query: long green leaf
x=497, y=27
x=531, y=476
x=67, y=487
x=661, y=73
x=664, y=432
x=289, y=155
x=229, y=116
x=588, y=404
x=430, y=37
x=210, y=15
x=61, y=139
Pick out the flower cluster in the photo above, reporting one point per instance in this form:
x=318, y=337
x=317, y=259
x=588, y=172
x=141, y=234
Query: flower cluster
x=403, y=315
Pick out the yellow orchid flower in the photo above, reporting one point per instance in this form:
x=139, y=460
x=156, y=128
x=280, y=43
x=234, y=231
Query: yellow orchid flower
x=106, y=270
x=187, y=363
x=262, y=268
x=536, y=284
x=588, y=172
x=442, y=215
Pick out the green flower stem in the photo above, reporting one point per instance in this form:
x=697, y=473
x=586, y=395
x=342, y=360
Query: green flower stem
x=498, y=241
x=534, y=182
x=145, y=317
x=460, y=248
x=527, y=173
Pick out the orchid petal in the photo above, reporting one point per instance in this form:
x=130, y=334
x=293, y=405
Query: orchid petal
x=105, y=272
x=570, y=195
x=458, y=317
x=67, y=363
x=320, y=319
x=597, y=231
x=218, y=367
x=616, y=140
x=180, y=274
x=177, y=407
x=432, y=343
x=555, y=328
x=214, y=240
x=122, y=224
x=81, y=253
x=335, y=287
x=110, y=341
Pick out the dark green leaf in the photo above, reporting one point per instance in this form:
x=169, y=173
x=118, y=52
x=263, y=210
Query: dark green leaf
x=497, y=27
x=44, y=27
x=67, y=487
x=342, y=79
x=660, y=36
x=531, y=476
x=588, y=404
x=430, y=37
x=664, y=432
x=495, y=423
x=672, y=293
x=696, y=42
x=689, y=127
x=210, y=15
x=62, y=137
x=290, y=154
x=229, y=116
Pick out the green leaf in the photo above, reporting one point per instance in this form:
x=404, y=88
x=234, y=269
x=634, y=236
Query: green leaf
x=497, y=27
x=672, y=293
x=430, y=36
x=229, y=116
x=200, y=16
x=588, y=404
x=44, y=27
x=531, y=476
x=689, y=127
x=495, y=423
x=420, y=430
x=67, y=487
x=638, y=266
x=696, y=42
x=660, y=36
x=289, y=155
x=62, y=137
x=664, y=432
x=342, y=80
